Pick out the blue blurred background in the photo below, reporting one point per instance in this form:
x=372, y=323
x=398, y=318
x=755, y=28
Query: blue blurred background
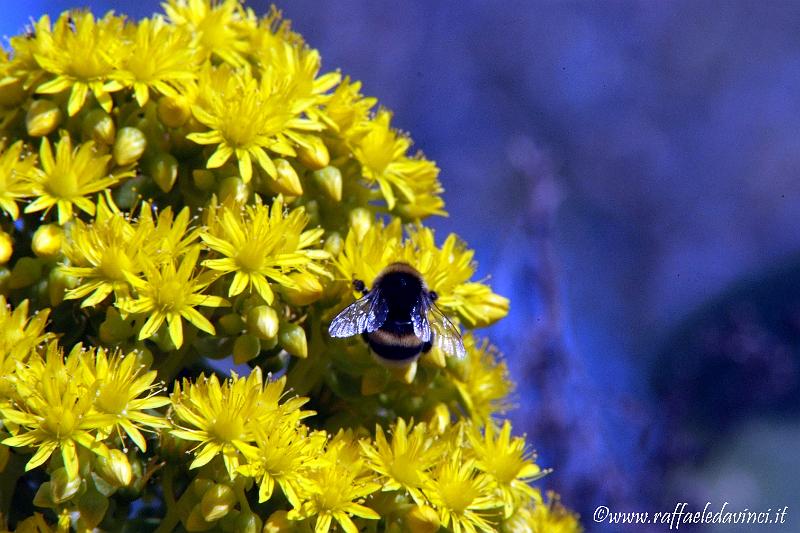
x=629, y=174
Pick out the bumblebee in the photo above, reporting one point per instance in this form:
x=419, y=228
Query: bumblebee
x=398, y=318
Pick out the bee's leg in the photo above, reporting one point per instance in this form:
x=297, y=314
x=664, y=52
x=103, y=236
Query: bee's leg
x=360, y=287
x=426, y=346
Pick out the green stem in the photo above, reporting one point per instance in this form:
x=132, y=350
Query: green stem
x=171, y=519
x=14, y=469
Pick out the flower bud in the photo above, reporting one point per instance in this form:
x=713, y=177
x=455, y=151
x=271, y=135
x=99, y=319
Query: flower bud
x=92, y=507
x=26, y=272
x=42, y=118
x=315, y=155
x=286, y=181
x=201, y=485
x=114, y=329
x=334, y=244
x=360, y=221
x=12, y=92
x=262, y=321
x=129, y=146
x=98, y=126
x=234, y=188
x=231, y=324
x=62, y=487
x=57, y=284
x=174, y=111
x=278, y=522
x=116, y=470
x=47, y=241
x=330, y=181
x=307, y=289
x=293, y=339
x=247, y=522
x=196, y=521
x=6, y=247
x=163, y=168
x=245, y=348
x=422, y=519
x=217, y=502
x=203, y=179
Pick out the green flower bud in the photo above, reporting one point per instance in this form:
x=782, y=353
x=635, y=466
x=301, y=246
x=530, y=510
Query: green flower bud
x=196, y=522
x=248, y=522
x=330, y=181
x=47, y=241
x=12, y=92
x=114, y=329
x=278, y=522
x=315, y=156
x=92, y=506
x=62, y=488
x=116, y=470
x=98, y=126
x=360, y=221
x=422, y=519
x=203, y=179
x=201, y=485
x=231, y=324
x=26, y=272
x=174, y=111
x=334, y=244
x=57, y=284
x=233, y=187
x=293, y=339
x=245, y=348
x=6, y=247
x=307, y=289
x=43, y=496
x=262, y=321
x=42, y=118
x=217, y=502
x=129, y=146
x=163, y=168
x=287, y=180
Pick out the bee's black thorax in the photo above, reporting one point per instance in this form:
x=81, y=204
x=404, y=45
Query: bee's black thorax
x=401, y=291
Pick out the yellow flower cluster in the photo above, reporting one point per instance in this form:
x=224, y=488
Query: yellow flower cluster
x=193, y=191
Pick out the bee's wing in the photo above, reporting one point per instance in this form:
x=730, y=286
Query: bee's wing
x=366, y=314
x=419, y=318
x=445, y=334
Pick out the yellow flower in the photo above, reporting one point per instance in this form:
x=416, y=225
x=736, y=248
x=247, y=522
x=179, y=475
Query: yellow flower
x=286, y=450
x=119, y=383
x=544, y=516
x=446, y=270
x=80, y=52
x=101, y=254
x=349, y=110
x=382, y=154
x=246, y=117
x=13, y=184
x=404, y=463
x=170, y=292
x=459, y=493
x=216, y=27
x=222, y=417
x=158, y=58
x=335, y=488
x=506, y=462
x=483, y=381
x=19, y=335
x=54, y=411
x=69, y=178
x=260, y=244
